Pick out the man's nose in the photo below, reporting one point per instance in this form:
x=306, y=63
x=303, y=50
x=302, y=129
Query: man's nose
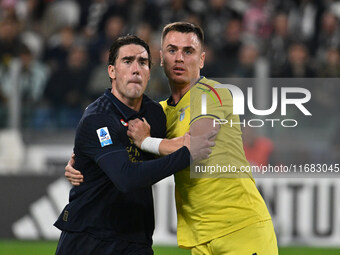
x=135, y=68
x=179, y=56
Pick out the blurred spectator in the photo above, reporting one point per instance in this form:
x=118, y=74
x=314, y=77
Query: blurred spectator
x=232, y=44
x=7, y=8
x=32, y=80
x=92, y=12
x=58, y=48
x=215, y=19
x=174, y=11
x=30, y=13
x=331, y=66
x=278, y=44
x=145, y=32
x=116, y=8
x=59, y=14
x=329, y=36
x=248, y=55
x=114, y=27
x=302, y=19
x=18, y=23
x=10, y=40
x=34, y=41
x=33, y=77
x=144, y=11
x=298, y=63
x=256, y=20
x=66, y=88
x=99, y=79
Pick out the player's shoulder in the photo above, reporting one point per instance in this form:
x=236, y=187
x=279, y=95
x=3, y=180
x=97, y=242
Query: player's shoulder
x=101, y=105
x=151, y=105
x=202, y=86
x=207, y=81
x=205, y=85
x=97, y=113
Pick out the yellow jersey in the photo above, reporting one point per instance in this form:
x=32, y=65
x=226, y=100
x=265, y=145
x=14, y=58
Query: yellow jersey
x=208, y=208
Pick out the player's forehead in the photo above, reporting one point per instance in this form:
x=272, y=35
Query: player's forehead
x=132, y=50
x=180, y=39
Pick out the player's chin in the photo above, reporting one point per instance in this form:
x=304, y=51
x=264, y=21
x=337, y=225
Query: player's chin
x=180, y=79
x=136, y=90
x=136, y=93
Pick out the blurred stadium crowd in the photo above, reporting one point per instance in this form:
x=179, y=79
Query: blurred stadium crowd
x=55, y=51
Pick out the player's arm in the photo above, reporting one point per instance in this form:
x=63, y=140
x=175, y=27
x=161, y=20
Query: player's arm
x=200, y=147
x=128, y=176
x=76, y=178
x=139, y=132
x=99, y=138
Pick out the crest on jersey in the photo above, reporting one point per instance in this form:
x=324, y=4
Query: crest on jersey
x=125, y=124
x=104, y=136
x=182, y=111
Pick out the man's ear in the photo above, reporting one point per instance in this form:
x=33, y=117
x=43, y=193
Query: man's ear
x=202, y=58
x=161, y=55
x=112, y=71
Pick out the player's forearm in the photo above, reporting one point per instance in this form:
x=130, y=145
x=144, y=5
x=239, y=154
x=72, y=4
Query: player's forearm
x=168, y=146
x=128, y=176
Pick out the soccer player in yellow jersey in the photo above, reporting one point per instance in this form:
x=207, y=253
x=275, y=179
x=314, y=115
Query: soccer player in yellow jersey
x=215, y=215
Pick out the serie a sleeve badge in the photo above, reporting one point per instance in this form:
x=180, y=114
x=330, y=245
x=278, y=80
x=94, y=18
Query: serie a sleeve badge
x=104, y=136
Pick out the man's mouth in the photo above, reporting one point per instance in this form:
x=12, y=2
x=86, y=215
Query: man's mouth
x=178, y=70
x=138, y=81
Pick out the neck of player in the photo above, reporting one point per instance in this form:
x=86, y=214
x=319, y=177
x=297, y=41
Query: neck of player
x=179, y=90
x=133, y=103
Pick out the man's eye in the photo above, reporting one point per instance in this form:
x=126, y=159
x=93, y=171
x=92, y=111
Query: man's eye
x=188, y=52
x=127, y=62
x=142, y=63
x=171, y=51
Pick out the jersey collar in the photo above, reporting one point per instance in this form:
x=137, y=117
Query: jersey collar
x=123, y=109
x=169, y=101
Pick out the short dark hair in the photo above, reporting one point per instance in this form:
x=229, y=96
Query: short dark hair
x=184, y=27
x=127, y=40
